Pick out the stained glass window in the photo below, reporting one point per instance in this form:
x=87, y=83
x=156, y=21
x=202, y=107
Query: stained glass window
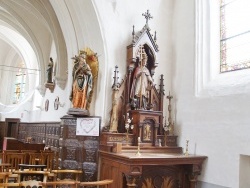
x=19, y=88
x=234, y=35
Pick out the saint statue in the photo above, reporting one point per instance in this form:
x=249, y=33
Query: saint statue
x=141, y=84
x=50, y=71
x=82, y=82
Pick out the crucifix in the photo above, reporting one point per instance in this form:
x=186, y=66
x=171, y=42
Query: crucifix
x=147, y=16
x=170, y=123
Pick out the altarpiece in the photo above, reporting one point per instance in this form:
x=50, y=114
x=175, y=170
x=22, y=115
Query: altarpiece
x=139, y=149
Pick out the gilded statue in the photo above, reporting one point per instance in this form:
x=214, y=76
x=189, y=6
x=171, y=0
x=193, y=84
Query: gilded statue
x=84, y=73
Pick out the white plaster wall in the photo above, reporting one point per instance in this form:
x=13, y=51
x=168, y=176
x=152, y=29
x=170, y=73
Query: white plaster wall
x=217, y=126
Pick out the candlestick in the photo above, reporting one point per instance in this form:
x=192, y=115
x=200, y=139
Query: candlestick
x=159, y=142
x=138, y=148
x=166, y=131
x=186, y=152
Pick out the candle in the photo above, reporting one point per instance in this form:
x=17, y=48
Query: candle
x=139, y=139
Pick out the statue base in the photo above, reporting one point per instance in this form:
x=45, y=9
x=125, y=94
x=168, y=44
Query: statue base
x=78, y=112
x=51, y=86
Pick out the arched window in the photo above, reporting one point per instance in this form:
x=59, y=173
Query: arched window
x=19, y=87
x=234, y=35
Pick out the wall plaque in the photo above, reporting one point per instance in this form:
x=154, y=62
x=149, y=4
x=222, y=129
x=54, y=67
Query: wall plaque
x=87, y=126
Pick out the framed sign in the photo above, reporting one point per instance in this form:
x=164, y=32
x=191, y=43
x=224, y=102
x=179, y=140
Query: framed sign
x=87, y=126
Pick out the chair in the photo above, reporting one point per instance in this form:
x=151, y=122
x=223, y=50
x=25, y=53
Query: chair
x=35, y=159
x=104, y=183
x=4, y=177
x=64, y=177
x=3, y=165
x=9, y=184
x=31, y=178
x=27, y=155
x=50, y=159
x=14, y=159
x=5, y=152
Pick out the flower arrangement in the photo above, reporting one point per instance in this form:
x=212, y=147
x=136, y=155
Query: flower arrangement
x=128, y=126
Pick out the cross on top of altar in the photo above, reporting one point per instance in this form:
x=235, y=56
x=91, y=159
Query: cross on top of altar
x=147, y=16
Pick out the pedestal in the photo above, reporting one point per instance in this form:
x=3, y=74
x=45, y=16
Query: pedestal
x=78, y=152
x=146, y=124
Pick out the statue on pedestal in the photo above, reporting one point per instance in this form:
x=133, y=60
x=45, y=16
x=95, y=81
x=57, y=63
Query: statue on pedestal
x=83, y=79
x=50, y=70
x=141, y=85
x=49, y=82
x=82, y=82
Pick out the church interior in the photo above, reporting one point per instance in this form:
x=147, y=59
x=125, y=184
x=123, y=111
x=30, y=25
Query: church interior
x=124, y=90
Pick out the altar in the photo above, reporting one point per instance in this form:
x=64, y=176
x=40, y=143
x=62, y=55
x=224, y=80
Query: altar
x=150, y=169
x=139, y=148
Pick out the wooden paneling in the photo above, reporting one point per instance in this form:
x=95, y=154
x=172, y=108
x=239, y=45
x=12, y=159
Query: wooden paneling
x=78, y=152
x=41, y=132
x=2, y=133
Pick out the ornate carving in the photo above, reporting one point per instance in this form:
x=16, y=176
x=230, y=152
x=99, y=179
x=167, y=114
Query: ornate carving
x=70, y=164
x=132, y=180
x=167, y=177
x=115, y=138
x=90, y=155
x=160, y=181
x=195, y=172
x=72, y=143
x=93, y=144
x=70, y=121
x=136, y=169
x=89, y=170
x=71, y=154
x=71, y=131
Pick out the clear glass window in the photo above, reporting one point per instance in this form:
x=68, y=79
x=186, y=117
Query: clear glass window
x=234, y=35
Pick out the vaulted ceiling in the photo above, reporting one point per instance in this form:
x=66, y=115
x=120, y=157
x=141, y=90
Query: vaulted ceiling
x=29, y=32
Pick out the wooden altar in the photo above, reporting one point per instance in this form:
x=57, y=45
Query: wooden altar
x=139, y=149
x=150, y=169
